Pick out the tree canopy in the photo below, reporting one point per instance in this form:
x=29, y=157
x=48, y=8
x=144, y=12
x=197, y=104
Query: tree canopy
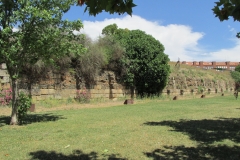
x=95, y=7
x=145, y=63
x=236, y=74
x=34, y=30
x=227, y=8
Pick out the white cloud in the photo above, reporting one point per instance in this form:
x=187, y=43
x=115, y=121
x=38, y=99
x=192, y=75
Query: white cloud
x=178, y=40
x=231, y=54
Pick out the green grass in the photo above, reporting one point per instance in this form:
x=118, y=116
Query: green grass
x=186, y=129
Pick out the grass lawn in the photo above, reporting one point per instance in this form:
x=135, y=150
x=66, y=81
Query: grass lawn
x=185, y=129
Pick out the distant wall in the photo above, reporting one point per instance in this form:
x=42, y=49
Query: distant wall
x=65, y=85
x=108, y=86
x=186, y=85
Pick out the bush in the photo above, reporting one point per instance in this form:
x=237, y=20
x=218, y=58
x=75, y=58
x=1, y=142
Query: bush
x=83, y=96
x=23, y=103
x=6, y=97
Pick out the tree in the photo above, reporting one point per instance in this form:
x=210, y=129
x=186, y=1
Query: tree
x=236, y=76
x=237, y=68
x=227, y=8
x=41, y=35
x=110, y=29
x=95, y=7
x=146, y=65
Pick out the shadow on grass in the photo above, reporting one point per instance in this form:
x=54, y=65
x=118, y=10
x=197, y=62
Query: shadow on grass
x=76, y=155
x=4, y=120
x=32, y=118
x=199, y=153
x=206, y=131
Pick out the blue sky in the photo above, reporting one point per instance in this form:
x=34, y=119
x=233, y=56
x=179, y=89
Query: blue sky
x=188, y=29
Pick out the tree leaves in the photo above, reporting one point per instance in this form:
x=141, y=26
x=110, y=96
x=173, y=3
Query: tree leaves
x=227, y=8
x=95, y=7
x=146, y=65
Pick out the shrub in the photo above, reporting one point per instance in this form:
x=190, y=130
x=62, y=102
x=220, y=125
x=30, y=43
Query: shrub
x=23, y=103
x=83, y=96
x=6, y=96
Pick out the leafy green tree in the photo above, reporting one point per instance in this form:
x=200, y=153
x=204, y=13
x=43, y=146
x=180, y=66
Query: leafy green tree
x=236, y=76
x=113, y=51
x=227, y=8
x=95, y=7
x=41, y=35
x=146, y=64
x=110, y=29
x=237, y=68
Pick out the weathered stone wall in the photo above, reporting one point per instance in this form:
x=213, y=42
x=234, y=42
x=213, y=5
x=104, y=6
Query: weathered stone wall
x=108, y=86
x=65, y=85
x=186, y=85
x=4, y=77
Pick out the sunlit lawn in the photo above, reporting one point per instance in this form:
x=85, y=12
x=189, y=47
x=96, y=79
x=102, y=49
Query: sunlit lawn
x=185, y=129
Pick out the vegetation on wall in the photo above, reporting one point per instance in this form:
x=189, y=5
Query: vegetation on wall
x=236, y=76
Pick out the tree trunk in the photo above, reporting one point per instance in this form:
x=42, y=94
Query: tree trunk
x=132, y=92
x=14, y=120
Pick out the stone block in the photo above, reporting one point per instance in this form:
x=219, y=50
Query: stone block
x=106, y=95
x=37, y=98
x=47, y=91
x=128, y=101
x=105, y=91
x=98, y=87
x=94, y=91
x=5, y=79
x=69, y=91
x=35, y=92
x=120, y=91
x=97, y=95
x=58, y=97
x=3, y=66
x=47, y=97
x=114, y=91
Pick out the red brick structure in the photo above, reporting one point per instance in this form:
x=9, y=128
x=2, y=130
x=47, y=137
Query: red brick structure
x=213, y=65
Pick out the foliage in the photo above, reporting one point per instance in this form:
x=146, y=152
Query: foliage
x=95, y=7
x=113, y=51
x=83, y=96
x=200, y=89
x=90, y=63
x=34, y=30
x=227, y=8
x=237, y=68
x=236, y=76
x=146, y=65
x=5, y=96
x=23, y=103
x=105, y=53
x=110, y=29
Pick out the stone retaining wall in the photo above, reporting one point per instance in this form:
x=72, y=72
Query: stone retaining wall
x=108, y=86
